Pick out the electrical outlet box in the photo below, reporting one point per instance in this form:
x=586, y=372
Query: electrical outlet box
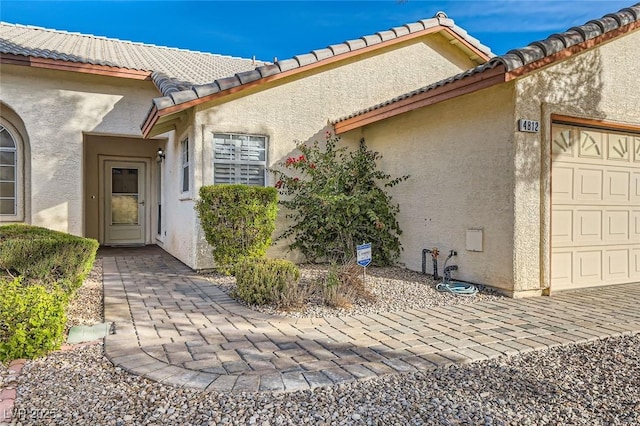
x=474, y=239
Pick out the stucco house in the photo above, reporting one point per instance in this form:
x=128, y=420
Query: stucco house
x=78, y=161
x=526, y=164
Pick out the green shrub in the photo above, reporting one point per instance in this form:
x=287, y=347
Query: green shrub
x=46, y=257
x=261, y=281
x=337, y=200
x=32, y=319
x=237, y=221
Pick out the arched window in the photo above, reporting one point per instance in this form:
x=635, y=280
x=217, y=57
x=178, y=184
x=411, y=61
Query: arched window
x=12, y=161
x=8, y=173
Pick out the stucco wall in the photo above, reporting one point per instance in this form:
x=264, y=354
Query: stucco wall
x=180, y=221
x=600, y=84
x=300, y=107
x=458, y=154
x=57, y=107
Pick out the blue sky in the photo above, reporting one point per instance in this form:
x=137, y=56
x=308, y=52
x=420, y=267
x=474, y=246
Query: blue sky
x=269, y=29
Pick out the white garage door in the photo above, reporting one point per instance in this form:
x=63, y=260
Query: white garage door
x=595, y=207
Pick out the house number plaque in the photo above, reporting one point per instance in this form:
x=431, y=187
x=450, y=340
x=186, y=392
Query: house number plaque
x=530, y=126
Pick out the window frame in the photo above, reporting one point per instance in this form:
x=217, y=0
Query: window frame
x=185, y=166
x=19, y=183
x=263, y=163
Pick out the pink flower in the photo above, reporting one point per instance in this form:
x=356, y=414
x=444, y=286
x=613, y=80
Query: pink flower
x=279, y=184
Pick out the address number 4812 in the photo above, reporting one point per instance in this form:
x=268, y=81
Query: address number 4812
x=531, y=126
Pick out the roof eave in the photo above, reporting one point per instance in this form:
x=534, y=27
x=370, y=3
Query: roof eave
x=573, y=50
x=474, y=82
x=60, y=65
x=156, y=113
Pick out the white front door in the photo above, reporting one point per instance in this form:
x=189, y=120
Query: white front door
x=124, y=202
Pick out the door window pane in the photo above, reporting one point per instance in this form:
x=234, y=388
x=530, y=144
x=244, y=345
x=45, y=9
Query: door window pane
x=124, y=196
x=124, y=181
x=124, y=209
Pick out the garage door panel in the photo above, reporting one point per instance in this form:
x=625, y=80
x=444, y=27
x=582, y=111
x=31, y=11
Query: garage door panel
x=588, y=227
x=562, y=144
x=616, y=226
x=563, y=184
x=588, y=184
x=562, y=268
x=635, y=188
x=635, y=226
x=588, y=267
x=619, y=147
x=635, y=264
x=616, y=265
x=591, y=143
x=595, y=207
x=562, y=226
x=616, y=186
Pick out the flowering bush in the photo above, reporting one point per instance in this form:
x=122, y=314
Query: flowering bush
x=336, y=201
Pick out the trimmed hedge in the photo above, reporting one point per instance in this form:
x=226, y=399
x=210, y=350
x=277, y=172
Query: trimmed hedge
x=237, y=221
x=40, y=270
x=261, y=281
x=32, y=319
x=46, y=257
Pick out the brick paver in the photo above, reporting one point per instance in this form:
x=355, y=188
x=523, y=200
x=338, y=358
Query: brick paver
x=173, y=326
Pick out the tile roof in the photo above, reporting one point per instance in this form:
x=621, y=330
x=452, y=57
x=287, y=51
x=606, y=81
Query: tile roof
x=180, y=93
x=518, y=58
x=182, y=66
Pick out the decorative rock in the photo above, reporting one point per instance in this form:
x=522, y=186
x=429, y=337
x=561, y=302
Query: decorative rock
x=595, y=383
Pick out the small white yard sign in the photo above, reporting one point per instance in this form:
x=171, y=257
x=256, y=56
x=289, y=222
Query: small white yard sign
x=363, y=254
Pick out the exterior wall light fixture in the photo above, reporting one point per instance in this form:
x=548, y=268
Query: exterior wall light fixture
x=160, y=155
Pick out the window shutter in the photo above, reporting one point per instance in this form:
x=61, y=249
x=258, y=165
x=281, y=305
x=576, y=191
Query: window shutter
x=239, y=159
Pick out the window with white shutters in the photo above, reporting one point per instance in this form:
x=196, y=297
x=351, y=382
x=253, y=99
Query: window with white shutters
x=239, y=159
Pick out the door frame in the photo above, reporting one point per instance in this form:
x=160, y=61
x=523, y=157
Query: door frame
x=149, y=197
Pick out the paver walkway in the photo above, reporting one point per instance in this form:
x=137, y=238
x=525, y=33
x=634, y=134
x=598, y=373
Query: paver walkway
x=174, y=327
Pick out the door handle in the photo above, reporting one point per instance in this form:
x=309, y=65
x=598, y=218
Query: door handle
x=141, y=203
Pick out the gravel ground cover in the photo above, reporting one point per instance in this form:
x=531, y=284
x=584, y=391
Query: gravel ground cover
x=395, y=289
x=87, y=308
x=592, y=384
x=550, y=387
